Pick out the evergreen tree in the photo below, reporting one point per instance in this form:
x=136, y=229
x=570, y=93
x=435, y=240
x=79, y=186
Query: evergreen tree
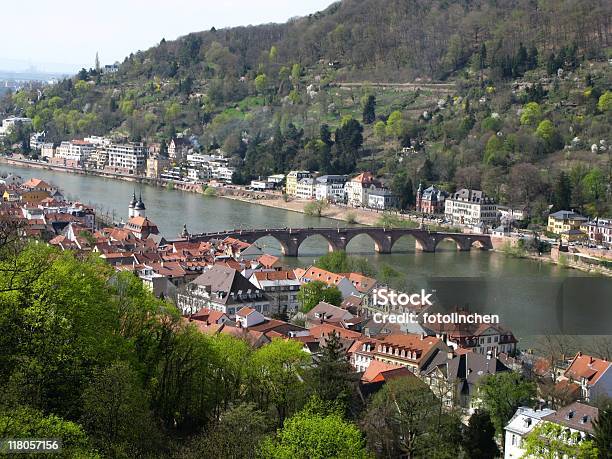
x=603, y=432
x=562, y=193
x=332, y=377
x=479, y=437
x=369, y=110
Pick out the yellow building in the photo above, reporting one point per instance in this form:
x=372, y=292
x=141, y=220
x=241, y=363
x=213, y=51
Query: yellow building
x=564, y=220
x=293, y=178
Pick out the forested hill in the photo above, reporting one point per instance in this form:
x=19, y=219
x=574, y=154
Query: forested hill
x=303, y=94
x=394, y=39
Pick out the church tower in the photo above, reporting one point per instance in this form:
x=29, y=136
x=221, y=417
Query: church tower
x=139, y=208
x=132, y=205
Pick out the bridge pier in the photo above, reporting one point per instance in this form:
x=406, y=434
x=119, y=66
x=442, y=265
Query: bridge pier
x=383, y=244
x=290, y=247
x=425, y=245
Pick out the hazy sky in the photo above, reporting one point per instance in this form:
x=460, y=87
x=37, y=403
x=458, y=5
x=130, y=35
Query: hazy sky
x=64, y=35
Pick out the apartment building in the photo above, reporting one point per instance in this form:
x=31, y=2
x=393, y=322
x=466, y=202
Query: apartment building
x=130, y=158
x=330, y=188
x=471, y=208
x=293, y=178
x=76, y=151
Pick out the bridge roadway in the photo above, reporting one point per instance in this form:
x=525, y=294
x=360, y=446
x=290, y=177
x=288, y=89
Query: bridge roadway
x=290, y=239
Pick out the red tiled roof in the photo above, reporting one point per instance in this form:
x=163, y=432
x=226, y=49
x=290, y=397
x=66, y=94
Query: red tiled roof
x=587, y=367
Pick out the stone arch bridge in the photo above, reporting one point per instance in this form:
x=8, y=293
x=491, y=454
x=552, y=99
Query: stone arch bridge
x=384, y=239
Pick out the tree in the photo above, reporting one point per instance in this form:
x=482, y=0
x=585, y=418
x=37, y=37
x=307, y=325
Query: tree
x=315, y=436
x=116, y=413
x=562, y=192
x=261, y=83
x=402, y=187
x=25, y=422
x=547, y=132
x=479, y=437
x=395, y=124
x=531, y=114
x=278, y=372
x=380, y=130
x=525, y=183
x=332, y=378
x=604, y=104
x=602, y=435
x=502, y=394
x=549, y=440
x=369, y=109
x=316, y=208
x=236, y=436
x=312, y=293
x=337, y=261
x=405, y=419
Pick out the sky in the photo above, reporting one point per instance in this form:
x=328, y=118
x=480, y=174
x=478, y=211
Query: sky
x=64, y=35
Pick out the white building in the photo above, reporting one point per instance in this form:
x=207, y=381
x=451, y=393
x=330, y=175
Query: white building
x=330, y=188
x=598, y=231
x=522, y=423
x=9, y=123
x=471, y=208
x=131, y=157
x=261, y=185
x=305, y=188
x=574, y=424
x=37, y=140
x=382, y=199
x=357, y=189
x=282, y=288
x=75, y=150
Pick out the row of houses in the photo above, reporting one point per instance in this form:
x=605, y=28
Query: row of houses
x=572, y=227
x=360, y=191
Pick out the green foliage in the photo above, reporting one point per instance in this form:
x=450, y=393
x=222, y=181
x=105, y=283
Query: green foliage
x=479, y=437
x=602, y=427
x=604, y=104
x=392, y=220
x=316, y=208
x=549, y=440
x=316, y=437
x=531, y=114
x=339, y=261
x=26, y=422
x=117, y=414
x=236, y=435
x=311, y=293
x=395, y=124
x=502, y=394
x=405, y=418
x=278, y=370
x=332, y=378
x=210, y=191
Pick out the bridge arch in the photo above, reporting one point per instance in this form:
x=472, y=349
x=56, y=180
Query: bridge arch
x=459, y=241
x=419, y=242
x=378, y=242
x=332, y=244
x=284, y=247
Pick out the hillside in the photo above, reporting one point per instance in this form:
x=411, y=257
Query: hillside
x=498, y=95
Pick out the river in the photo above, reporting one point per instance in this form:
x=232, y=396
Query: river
x=524, y=293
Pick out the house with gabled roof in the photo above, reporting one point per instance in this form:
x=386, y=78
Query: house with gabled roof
x=223, y=289
x=593, y=375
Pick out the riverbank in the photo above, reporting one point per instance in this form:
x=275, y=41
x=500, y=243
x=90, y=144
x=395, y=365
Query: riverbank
x=276, y=201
